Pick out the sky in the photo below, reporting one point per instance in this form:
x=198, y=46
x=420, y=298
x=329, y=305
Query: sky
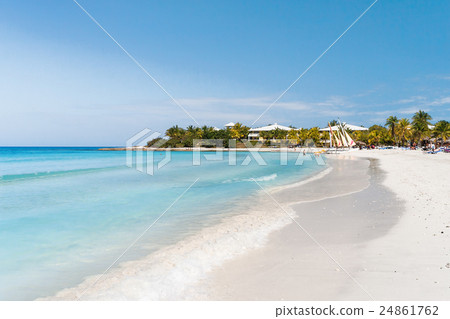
x=63, y=81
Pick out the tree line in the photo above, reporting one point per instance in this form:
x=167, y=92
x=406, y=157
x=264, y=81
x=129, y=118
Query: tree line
x=402, y=131
x=184, y=137
x=394, y=132
x=180, y=137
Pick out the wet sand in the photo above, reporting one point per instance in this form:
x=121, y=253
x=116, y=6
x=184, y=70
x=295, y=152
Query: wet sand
x=375, y=226
x=318, y=257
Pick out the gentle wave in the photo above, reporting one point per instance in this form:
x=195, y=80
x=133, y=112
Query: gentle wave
x=176, y=272
x=266, y=178
x=262, y=178
x=172, y=273
x=315, y=177
x=15, y=177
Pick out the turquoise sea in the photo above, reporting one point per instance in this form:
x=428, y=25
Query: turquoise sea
x=67, y=213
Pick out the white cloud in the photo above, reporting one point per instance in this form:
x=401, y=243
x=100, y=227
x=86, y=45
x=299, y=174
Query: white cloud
x=410, y=110
x=256, y=102
x=444, y=77
x=441, y=101
x=412, y=99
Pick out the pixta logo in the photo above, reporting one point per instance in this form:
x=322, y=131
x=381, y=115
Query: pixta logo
x=142, y=158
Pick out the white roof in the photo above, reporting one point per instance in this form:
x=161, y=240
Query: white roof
x=347, y=126
x=216, y=128
x=229, y=124
x=271, y=127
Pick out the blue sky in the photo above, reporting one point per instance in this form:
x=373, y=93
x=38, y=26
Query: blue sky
x=63, y=81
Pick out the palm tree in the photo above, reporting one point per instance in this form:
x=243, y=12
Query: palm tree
x=442, y=130
x=375, y=137
x=194, y=132
x=333, y=122
x=267, y=135
x=207, y=132
x=361, y=136
x=279, y=134
x=420, y=122
x=391, y=122
x=303, y=134
x=324, y=136
x=386, y=138
x=175, y=132
x=422, y=117
x=239, y=131
x=418, y=132
x=292, y=134
x=314, y=135
x=404, y=130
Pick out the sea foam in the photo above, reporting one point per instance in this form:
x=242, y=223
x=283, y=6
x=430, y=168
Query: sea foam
x=172, y=273
x=265, y=178
x=176, y=272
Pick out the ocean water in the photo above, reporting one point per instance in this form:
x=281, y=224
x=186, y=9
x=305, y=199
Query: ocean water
x=68, y=213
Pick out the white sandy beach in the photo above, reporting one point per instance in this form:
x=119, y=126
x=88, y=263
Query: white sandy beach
x=364, y=229
x=385, y=242
x=412, y=262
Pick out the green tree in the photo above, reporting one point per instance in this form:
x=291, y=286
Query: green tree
x=267, y=135
x=333, y=122
x=391, y=122
x=175, y=132
x=404, y=130
x=293, y=135
x=441, y=130
x=239, y=131
x=190, y=135
x=324, y=136
x=386, y=138
x=377, y=128
x=361, y=136
x=420, y=122
x=194, y=132
x=375, y=137
x=208, y=132
x=422, y=117
x=279, y=134
x=314, y=134
x=379, y=135
x=223, y=134
x=303, y=135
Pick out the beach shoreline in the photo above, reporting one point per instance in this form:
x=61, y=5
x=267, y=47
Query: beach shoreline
x=412, y=261
x=348, y=256
x=171, y=273
x=261, y=148
x=265, y=255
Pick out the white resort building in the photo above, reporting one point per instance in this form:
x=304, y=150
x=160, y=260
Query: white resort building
x=229, y=125
x=254, y=134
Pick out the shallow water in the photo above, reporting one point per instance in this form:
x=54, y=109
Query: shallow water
x=336, y=217
x=66, y=213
